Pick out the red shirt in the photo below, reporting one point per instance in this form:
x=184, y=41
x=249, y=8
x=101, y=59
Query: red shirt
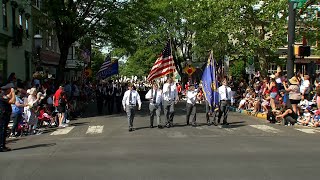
x=56, y=97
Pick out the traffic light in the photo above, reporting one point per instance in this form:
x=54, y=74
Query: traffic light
x=302, y=50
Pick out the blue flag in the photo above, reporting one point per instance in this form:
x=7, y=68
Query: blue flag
x=108, y=69
x=210, y=83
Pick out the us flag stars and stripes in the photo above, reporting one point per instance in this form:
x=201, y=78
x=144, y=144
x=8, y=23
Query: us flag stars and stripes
x=164, y=64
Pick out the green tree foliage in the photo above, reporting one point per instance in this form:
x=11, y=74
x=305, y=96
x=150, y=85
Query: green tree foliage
x=102, y=20
x=233, y=28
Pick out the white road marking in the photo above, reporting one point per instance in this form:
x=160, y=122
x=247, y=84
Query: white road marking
x=308, y=131
x=94, y=130
x=65, y=130
x=266, y=128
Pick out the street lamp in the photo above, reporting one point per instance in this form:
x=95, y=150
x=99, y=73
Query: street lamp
x=38, y=45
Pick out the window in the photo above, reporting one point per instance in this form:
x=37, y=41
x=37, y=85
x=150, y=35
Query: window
x=27, y=28
x=50, y=34
x=38, y=4
x=20, y=20
x=4, y=14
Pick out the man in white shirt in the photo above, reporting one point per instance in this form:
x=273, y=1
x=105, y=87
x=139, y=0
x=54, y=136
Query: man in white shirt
x=191, y=105
x=224, y=101
x=170, y=97
x=130, y=99
x=154, y=95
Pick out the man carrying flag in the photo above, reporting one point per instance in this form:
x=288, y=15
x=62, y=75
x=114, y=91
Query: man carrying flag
x=209, y=86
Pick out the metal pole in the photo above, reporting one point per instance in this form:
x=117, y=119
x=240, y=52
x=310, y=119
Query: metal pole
x=291, y=39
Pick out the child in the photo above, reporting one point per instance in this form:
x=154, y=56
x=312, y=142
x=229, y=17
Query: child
x=316, y=119
x=306, y=118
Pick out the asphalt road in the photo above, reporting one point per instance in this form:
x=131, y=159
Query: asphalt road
x=100, y=147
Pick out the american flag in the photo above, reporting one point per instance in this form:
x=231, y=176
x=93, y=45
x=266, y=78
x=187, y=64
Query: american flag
x=105, y=67
x=164, y=64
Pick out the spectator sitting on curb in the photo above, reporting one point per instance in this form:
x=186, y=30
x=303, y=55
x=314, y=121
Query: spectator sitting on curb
x=288, y=117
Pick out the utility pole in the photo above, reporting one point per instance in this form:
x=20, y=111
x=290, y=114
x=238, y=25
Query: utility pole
x=291, y=39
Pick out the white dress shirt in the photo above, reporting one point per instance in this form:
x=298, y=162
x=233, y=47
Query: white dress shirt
x=151, y=94
x=135, y=99
x=192, y=96
x=222, y=93
x=170, y=96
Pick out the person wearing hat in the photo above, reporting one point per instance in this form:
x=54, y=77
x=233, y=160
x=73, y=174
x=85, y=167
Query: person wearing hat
x=294, y=93
x=224, y=102
x=170, y=97
x=129, y=102
x=7, y=97
x=154, y=95
x=191, y=105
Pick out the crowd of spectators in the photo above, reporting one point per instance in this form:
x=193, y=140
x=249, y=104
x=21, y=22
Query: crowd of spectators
x=286, y=101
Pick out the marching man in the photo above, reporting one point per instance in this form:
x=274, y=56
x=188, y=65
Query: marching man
x=130, y=99
x=154, y=95
x=170, y=97
x=191, y=105
x=225, y=101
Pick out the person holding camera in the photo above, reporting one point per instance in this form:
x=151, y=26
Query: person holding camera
x=7, y=98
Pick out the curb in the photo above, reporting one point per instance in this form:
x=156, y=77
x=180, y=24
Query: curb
x=248, y=113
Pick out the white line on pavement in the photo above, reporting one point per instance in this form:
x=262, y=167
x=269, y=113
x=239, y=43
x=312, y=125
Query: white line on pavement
x=65, y=130
x=94, y=130
x=266, y=128
x=308, y=131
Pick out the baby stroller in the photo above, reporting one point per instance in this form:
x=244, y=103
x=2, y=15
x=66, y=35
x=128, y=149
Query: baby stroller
x=44, y=117
x=23, y=128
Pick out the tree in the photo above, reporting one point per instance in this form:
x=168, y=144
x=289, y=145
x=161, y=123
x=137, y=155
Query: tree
x=97, y=19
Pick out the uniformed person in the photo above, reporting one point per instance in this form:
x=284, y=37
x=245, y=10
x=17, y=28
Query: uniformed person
x=224, y=101
x=7, y=97
x=191, y=105
x=170, y=97
x=130, y=99
x=154, y=95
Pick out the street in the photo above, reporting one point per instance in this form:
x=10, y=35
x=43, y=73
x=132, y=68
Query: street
x=102, y=148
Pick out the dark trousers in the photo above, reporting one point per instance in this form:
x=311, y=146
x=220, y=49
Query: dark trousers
x=4, y=121
x=110, y=104
x=99, y=106
x=191, y=111
x=118, y=103
x=168, y=107
x=130, y=110
x=16, y=118
x=223, y=109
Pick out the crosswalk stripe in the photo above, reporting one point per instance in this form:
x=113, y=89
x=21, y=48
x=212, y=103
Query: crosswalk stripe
x=65, y=130
x=266, y=128
x=94, y=130
x=308, y=131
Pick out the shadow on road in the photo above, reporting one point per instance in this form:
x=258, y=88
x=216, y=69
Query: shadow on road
x=35, y=146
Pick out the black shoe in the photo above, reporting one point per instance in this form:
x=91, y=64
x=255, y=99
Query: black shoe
x=160, y=127
x=208, y=123
x=225, y=123
x=168, y=125
x=151, y=126
x=130, y=129
x=5, y=149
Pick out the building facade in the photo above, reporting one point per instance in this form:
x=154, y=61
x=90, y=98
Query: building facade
x=45, y=58
x=15, y=39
